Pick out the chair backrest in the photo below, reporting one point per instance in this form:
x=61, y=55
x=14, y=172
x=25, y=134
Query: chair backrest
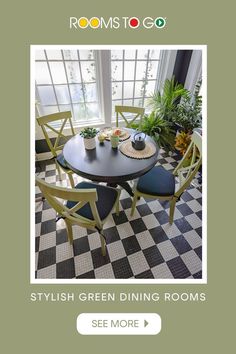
x=190, y=163
x=63, y=118
x=56, y=195
x=137, y=111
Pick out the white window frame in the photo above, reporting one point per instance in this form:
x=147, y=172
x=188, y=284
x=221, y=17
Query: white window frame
x=102, y=58
x=67, y=84
x=134, y=80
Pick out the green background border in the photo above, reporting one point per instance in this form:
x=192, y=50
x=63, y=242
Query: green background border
x=186, y=327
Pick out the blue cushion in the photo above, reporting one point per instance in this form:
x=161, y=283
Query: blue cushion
x=106, y=200
x=60, y=159
x=157, y=181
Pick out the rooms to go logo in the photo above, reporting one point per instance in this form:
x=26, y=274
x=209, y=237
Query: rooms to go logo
x=117, y=22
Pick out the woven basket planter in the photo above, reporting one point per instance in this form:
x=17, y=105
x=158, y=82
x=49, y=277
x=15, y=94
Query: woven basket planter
x=89, y=144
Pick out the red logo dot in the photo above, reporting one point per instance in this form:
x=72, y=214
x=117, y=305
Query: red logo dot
x=134, y=22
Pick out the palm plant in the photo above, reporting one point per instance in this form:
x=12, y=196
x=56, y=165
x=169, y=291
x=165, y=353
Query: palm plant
x=164, y=104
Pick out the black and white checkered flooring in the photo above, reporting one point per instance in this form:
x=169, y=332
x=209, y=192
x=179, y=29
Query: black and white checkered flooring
x=142, y=246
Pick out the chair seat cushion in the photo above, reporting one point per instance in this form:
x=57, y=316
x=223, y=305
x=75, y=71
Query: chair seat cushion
x=157, y=181
x=62, y=162
x=105, y=203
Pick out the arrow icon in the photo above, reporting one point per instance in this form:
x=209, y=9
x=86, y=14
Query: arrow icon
x=160, y=22
x=145, y=323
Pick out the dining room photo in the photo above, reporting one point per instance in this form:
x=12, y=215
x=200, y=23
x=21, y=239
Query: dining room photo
x=118, y=164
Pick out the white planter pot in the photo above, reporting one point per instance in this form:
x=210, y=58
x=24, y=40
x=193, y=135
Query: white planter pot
x=90, y=144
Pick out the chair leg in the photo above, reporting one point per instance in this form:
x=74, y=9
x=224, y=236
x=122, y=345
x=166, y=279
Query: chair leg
x=59, y=171
x=118, y=207
x=134, y=204
x=71, y=180
x=172, y=210
x=118, y=203
x=69, y=231
x=103, y=244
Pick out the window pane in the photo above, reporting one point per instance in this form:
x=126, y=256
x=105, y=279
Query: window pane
x=40, y=55
x=152, y=69
x=90, y=92
x=115, y=103
x=146, y=102
x=142, y=54
x=76, y=93
x=129, y=70
x=42, y=73
x=86, y=55
x=65, y=107
x=139, y=88
x=128, y=89
x=88, y=71
x=58, y=72
x=128, y=103
x=116, y=90
x=92, y=110
x=44, y=110
x=46, y=95
x=70, y=54
x=116, y=54
x=73, y=84
x=141, y=70
x=54, y=54
x=79, y=112
x=138, y=102
x=73, y=71
x=116, y=70
x=150, y=88
x=154, y=54
x=130, y=54
x=62, y=93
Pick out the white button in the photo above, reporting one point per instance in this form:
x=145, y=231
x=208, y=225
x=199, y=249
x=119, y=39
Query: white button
x=118, y=323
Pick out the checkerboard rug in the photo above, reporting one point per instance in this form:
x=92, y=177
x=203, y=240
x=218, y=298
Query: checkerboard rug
x=142, y=246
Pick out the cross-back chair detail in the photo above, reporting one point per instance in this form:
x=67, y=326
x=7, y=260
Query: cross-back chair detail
x=56, y=195
x=159, y=183
x=55, y=148
x=137, y=111
x=186, y=174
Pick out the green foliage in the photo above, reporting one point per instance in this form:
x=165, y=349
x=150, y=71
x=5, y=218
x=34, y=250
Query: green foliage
x=159, y=129
x=88, y=132
x=164, y=104
x=189, y=112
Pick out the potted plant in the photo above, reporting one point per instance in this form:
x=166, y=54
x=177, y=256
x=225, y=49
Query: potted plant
x=188, y=114
x=182, y=141
x=89, y=134
x=165, y=103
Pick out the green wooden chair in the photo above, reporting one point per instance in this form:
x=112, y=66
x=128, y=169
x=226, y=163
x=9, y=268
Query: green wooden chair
x=56, y=146
x=87, y=205
x=159, y=183
x=138, y=113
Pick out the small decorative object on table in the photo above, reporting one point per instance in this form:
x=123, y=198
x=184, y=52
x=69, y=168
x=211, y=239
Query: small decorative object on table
x=101, y=138
x=114, y=138
x=89, y=134
x=123, y=134
x=127, y=149
x=138, y=141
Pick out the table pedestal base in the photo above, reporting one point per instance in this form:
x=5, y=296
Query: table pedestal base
x=124, y=185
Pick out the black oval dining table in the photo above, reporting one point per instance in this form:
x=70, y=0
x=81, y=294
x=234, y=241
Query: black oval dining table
x=106, y=164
